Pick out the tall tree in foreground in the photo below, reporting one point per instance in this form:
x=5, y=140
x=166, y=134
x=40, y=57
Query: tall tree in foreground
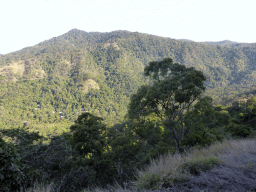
x=172, y=93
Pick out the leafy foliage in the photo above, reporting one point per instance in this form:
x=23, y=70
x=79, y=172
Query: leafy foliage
x=170, y=95
x=90, y=78
x=12, y=171
x=206, y=125
x=56, y=72
x=88, y=135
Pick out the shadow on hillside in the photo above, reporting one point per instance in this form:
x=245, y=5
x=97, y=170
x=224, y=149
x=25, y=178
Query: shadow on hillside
x=237, y=172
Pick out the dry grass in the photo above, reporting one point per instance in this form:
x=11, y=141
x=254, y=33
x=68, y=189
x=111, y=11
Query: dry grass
x=226, y=166
x=165, y=171
x=40, y=188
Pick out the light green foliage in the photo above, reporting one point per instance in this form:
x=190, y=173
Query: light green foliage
x=46, y=88
x=122, y=55
x=115, y=61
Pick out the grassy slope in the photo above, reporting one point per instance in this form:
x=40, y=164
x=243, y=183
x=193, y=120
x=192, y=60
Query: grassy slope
x=235, y=168
x=227, y=166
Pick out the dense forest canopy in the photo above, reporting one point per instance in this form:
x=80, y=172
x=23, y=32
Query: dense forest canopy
x=161, y=119
x=54, y=81
x=105, y=104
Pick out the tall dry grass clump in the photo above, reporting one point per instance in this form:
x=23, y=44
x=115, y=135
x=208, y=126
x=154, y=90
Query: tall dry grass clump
x=39, y=188
x=174, y=169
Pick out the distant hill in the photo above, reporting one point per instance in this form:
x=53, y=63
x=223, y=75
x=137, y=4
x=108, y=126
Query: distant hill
x=225, y=42
x=98, y=72
x=229, y=43
x=184, y=40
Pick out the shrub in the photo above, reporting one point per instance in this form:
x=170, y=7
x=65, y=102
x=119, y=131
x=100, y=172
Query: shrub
x=12, y=173
x=239, y=130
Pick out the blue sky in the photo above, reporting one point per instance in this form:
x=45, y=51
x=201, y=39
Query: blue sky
x=28, y=22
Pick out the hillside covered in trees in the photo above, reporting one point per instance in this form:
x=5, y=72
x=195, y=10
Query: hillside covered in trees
x=55, y=80
x=168, y=116
x=106, y=104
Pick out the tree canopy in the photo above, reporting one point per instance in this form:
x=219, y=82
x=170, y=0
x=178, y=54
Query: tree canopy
x=172, y=93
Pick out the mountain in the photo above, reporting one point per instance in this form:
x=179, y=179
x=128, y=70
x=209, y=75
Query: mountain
x=225, y=42
x=185, y=40
x=48, y=85
x=229, y=43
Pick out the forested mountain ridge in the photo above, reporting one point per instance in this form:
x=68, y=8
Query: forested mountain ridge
x=223, y=65
x=224, y=42
x=57, y=79
x=106, y=104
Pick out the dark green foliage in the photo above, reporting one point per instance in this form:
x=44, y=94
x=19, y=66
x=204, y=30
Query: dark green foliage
x=21, y=136
x=206, y=125
x=12, y=171
x=59, y=163
x=88, y=138
x=15, y=171
x=239, y=130
x=63, y=165
x=155, y=137
x=88, y=135
x=126, y=152
x=243, y=119
x=174, y=90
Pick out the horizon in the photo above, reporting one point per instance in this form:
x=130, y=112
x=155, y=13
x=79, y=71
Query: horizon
x=118, y=30
x=27, y=23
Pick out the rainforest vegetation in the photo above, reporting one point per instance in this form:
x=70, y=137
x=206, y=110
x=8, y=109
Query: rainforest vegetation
x=86, y=109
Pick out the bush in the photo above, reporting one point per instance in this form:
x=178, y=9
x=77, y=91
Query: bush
x=12, y=171
x=239, y=130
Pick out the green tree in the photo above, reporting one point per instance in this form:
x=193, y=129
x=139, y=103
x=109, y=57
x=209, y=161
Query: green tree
x=12, y=170
x=171, y=94
x=88, y=135
x=206, y=125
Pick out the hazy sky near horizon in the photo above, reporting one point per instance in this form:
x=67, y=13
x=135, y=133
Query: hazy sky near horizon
x=29, y=22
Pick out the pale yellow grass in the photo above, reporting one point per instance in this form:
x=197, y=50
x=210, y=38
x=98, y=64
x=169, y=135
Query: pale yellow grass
x=40, y=188
x=167, y=167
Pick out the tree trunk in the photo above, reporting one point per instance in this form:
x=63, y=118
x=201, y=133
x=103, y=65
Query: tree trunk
x=177, y=140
